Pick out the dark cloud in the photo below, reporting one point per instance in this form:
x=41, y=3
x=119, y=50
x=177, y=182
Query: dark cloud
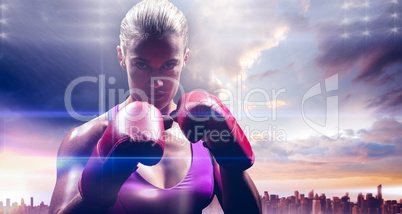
x=374, y=69
x=344, y=46
x=49, y=44
x=376, y=150
x=389, y=102
x=374, y=59
x=364, y=151
x=268, y=73
x=263, y=75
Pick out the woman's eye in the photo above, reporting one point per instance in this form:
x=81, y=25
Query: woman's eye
x=169, y=66
x=141, y=65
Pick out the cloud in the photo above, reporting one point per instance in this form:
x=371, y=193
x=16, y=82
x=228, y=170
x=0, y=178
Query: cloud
x=374, y=150
x=349, y=132
x=24, y=176
x=388, y=103
x=305, y=4
x=385, y=131
x=367, y=152
x=374, y=65
x=297, y=18
x=227, y=43
x=361, y=44
x=371, y=47
x=263, y=75
x=32, y=137
x=42, y=58
x=268, y=73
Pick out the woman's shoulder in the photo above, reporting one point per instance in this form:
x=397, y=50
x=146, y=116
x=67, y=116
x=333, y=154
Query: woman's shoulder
x=82, y=139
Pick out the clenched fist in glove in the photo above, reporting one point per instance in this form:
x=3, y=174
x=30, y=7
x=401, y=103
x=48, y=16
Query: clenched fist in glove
x=134, y=135
x=202, y=115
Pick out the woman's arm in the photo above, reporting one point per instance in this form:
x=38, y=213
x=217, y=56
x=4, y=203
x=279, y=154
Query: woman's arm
x=72, y=157
x=203, y=115
x=61, y=202
x=101, y=157
x=236, y=191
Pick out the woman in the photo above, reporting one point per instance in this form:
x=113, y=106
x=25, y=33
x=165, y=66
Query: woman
x=164, y=172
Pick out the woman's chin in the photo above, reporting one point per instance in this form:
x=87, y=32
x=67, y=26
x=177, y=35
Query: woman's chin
x=162, y=106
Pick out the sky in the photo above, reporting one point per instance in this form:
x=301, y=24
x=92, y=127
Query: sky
x=316, y=86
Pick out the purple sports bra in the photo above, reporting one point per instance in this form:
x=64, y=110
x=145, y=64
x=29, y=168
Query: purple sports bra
x=190, y=195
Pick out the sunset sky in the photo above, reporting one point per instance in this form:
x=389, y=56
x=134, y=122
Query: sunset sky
x=316, y=85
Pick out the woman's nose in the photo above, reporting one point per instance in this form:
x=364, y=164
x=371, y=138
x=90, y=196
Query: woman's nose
x=156, y=83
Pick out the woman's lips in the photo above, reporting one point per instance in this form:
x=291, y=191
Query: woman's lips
x=156, y=96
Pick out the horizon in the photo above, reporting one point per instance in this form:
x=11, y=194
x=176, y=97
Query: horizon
x=386, y=195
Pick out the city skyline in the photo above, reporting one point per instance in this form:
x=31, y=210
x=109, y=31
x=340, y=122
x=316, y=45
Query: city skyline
x=23, y=208
x=312, y=203
x=281, y=202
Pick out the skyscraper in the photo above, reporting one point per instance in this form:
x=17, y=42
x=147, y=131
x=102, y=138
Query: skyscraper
x=316, y=206
x=8, y=206
x=360, y=201
x=379, y=192
x=311, y=195
x=266, y=195
x=297, y=200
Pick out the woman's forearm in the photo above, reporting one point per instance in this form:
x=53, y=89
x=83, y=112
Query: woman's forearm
x=239, y=194
x=78, y=205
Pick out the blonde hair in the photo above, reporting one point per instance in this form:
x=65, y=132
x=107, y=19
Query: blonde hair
x=152, y=18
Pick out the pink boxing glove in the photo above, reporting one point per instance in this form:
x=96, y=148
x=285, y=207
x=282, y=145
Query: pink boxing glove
x=134, y=135
x=202, y=115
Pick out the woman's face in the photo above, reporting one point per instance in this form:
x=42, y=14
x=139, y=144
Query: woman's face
x=153, y=67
